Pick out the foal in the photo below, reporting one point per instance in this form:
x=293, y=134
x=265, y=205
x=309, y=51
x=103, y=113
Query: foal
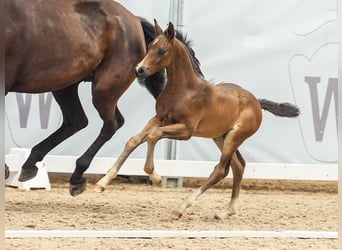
x=190, y=106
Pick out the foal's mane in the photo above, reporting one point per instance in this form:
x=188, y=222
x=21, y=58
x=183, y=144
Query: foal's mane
x=188, y=44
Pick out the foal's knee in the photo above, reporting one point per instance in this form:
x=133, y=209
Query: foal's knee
x=132, y=143
x=154, y=135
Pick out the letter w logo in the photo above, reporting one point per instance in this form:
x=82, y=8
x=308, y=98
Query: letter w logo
x=24, y=106
x=321, y=120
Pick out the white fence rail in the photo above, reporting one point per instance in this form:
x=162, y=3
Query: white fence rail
x=177, y=168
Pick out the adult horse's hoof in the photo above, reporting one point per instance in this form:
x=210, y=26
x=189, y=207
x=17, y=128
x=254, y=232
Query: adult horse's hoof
x=76, y=189
x=98, y=188
x=28, y=174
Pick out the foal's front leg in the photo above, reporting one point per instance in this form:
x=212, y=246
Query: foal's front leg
x=132, y=144
x=149, y=164
x=177, y=131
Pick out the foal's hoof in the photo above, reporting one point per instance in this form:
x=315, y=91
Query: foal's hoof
x=28, y=174
x=220, y=216
x=76, y=189
x=98, y=188
x=176, y=215
x=156, y=181
x=223, y=216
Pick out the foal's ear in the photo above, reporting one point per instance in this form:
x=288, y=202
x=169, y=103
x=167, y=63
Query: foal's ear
x=157, y=28
x=170, y=31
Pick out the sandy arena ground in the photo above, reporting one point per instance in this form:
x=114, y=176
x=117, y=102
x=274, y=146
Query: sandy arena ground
x=132, y=206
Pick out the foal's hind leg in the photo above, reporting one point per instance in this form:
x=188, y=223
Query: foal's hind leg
x=232, y=141
x=74, y=119
x=238, y=166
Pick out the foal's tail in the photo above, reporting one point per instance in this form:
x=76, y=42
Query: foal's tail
x=280, y=109
x=156, y=82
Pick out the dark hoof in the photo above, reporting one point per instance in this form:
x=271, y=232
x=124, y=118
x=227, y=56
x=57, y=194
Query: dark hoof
x=28, y=174
x=7, y=172
x=145, y=180
x=76, y=189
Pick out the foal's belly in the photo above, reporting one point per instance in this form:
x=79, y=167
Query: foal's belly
x=212, y=128
x=231, y=108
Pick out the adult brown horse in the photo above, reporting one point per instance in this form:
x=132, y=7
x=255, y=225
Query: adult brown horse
x=53, y=45
x=191, y=106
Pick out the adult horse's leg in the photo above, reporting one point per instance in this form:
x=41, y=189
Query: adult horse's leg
x=74, y=119
x=110, y=81
x=132, y=144
x=77, y=181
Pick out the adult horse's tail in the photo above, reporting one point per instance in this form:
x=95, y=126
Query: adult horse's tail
x=280, y=109
x=154, y=83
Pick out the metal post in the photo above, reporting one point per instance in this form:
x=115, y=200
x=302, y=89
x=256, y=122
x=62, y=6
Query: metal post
x=176, y=17
x=176, y=13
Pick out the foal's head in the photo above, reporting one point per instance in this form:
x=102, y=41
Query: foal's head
x=159, y=53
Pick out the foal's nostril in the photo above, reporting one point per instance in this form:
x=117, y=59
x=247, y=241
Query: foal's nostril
x=140, y=71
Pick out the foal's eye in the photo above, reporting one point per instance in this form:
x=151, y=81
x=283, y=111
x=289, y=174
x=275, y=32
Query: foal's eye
x=161, y=51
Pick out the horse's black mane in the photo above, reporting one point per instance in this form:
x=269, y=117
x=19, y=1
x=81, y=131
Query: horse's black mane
x=188, y=44
x=156, y=82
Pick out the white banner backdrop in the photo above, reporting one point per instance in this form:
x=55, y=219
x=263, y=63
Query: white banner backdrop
x=282, y=51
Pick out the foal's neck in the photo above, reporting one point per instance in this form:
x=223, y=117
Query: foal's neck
x=181, y=73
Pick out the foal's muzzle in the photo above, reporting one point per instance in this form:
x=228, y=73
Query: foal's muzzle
x=141, y=72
